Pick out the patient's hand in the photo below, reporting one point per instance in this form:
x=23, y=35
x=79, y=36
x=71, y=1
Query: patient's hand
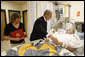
x=70, y=49
x=50, y=36
x=55, y=41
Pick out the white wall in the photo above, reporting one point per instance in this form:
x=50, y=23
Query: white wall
x=31, y=7
x=76, y=6
x=12, y=6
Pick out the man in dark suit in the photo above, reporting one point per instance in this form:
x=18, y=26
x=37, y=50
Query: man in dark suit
x=40, y=26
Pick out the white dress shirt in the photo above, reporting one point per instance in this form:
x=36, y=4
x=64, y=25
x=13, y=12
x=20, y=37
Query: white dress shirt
x=45, y=19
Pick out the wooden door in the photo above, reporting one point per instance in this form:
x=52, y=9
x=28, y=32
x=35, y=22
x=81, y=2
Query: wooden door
x=3, y=23
x=25, y=20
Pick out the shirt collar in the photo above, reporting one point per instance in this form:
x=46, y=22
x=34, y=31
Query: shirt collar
x=45, y=19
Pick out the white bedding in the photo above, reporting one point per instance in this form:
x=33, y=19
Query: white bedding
x=70, y=40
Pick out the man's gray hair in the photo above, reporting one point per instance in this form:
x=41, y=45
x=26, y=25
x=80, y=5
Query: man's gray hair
x=47, y=12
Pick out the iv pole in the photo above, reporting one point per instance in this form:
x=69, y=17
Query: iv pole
x=68, y=5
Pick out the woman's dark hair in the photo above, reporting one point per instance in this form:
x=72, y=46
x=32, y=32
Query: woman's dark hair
x=14, y=16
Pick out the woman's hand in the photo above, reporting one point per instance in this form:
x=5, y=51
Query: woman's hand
x=22, y=37
x=10, y=38
x=16, y=39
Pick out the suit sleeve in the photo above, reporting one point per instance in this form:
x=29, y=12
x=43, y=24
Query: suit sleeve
x=41, y=29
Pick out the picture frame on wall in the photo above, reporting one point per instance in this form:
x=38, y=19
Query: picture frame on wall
x=61, y=10
x=10, y=12
x=78, y=26
x=57, y=12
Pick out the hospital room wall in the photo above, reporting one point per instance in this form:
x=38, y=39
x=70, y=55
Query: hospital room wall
x=31, y=7
x=75, y=6
x=6, y=5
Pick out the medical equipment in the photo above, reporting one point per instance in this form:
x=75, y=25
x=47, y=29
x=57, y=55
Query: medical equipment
x=64, y=20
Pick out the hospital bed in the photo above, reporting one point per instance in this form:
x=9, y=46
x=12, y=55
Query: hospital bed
x=57, y=51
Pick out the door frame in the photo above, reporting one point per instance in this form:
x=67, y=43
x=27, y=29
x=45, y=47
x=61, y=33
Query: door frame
x=5, y=19
x=4, y=15
x=23, y=16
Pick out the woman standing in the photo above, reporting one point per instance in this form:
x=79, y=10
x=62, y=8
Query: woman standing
x=14, y=25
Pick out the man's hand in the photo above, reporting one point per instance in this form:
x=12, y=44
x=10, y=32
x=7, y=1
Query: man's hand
x=50, y=36
x=54, y=40
x=46, y=40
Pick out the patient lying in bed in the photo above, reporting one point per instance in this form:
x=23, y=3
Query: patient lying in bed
x=67, y=39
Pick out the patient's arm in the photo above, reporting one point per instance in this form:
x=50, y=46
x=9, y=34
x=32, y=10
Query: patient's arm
x=60, y=43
